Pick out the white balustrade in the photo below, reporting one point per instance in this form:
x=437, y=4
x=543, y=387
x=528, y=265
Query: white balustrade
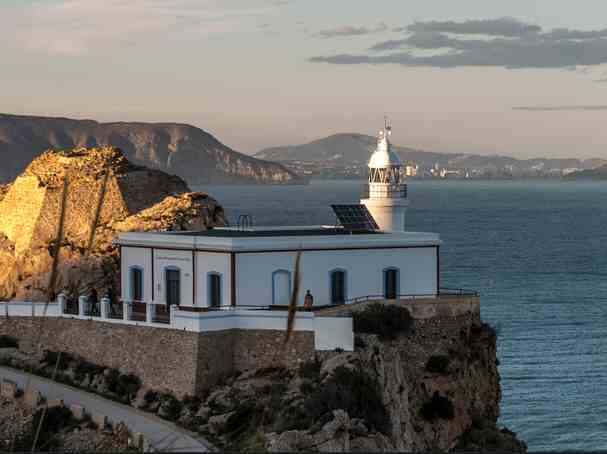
x=82, y=305
x=104, y=308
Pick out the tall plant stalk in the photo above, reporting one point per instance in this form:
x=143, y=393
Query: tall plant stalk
x=294, y=297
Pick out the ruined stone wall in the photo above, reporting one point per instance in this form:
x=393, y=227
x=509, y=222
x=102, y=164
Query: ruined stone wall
x=21, y=204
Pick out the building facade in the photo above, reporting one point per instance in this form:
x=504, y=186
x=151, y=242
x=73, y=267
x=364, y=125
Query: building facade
x=231, y=267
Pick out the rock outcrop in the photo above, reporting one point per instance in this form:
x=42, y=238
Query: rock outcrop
x=181, y=149
x=434, y=389
x=136, y=198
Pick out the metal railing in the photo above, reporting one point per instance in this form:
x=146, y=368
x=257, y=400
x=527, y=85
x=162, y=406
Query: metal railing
x=442, y=293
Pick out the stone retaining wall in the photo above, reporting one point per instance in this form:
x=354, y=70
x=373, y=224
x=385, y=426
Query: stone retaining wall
x=180, y=361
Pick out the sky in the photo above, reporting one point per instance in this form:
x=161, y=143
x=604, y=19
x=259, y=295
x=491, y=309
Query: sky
x=525, y=78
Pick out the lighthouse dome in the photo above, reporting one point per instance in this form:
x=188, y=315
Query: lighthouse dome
x=383, y=159
x=383, y=156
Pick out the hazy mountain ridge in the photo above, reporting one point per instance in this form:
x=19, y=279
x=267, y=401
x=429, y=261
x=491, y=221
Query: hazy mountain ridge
x=351, y=149
x=598, y=173
x=181, y=149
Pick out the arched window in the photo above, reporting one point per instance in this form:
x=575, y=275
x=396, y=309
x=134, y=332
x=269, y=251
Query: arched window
x=338, y=286
x=281, y=287
x=391, y=283
x=172, y=276
x=136, y=283
x=214, y=286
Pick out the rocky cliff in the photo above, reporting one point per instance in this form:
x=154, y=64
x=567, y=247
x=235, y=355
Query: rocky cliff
x=434, y=388
x=180, y=149
x=136, y=198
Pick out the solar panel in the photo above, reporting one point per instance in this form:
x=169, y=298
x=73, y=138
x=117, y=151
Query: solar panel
x=355, y=217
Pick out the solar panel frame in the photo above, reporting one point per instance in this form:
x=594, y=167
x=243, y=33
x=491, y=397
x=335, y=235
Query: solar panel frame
x=355, y=217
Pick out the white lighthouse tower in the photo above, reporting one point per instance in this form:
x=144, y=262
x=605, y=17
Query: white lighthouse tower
x=387, y=190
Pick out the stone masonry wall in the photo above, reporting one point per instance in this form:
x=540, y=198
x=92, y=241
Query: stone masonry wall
x=180, y=361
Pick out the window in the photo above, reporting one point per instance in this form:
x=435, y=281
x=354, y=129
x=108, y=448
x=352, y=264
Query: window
x=136, y=279
x=338, y=287
x=391, y=281
x=281, y=287
x=214, y=283
x=173, y=286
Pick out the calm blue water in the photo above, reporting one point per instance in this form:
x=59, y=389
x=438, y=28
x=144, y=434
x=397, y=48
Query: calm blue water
x=537, y=252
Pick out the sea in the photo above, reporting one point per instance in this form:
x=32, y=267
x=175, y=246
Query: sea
x=537, y=253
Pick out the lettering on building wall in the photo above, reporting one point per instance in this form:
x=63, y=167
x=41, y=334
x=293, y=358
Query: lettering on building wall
x=175, y=259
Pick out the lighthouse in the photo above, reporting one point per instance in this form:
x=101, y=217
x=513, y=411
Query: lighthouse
x=386, y=195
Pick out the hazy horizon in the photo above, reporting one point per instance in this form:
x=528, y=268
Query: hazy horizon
x=524, y=78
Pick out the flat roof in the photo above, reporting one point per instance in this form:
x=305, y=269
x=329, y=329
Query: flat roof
x=264, y=239
x=221, y=232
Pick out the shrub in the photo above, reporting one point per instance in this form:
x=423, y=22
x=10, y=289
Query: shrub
x=353, y=391
x=127, y=386
x=150, y=396
x=388, y=321
x=170, y=407
x=437, y=407
x=50, y=358
x=310, y=369
x=55, y=420
x=111, y=379
x=84, y=367
x=438, y=364
x=192, y=403
x=8, y=342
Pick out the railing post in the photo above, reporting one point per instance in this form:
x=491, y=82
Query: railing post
x=172, y=314
x=126, y=311
x=61, y=303
x=82, y=300
x=149, y=312
x=104, y=308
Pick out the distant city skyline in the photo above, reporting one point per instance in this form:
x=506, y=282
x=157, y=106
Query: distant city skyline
x=524, y=78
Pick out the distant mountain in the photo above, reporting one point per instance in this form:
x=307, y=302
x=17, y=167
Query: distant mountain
x=600, y=173
x=354, y=149
x=181, y=149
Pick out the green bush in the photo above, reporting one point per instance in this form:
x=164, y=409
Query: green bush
x=150, y=396
x=438, y=407
x=127, y=386
x=55, y=420
x=50, y=358
x=310, y=369
x=8, y=342
x=192, y=403
x=353, y=391
x=171, y=407
x=438, y=364
x=84, y=367
x=388, y=321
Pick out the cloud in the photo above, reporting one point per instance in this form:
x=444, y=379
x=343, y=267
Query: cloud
x=74, y=27
x=504, y=26
x=560, y=108
x=349, y=30
x=503, y=42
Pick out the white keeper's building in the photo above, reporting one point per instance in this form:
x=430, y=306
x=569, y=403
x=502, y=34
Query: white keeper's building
x=245, y=266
